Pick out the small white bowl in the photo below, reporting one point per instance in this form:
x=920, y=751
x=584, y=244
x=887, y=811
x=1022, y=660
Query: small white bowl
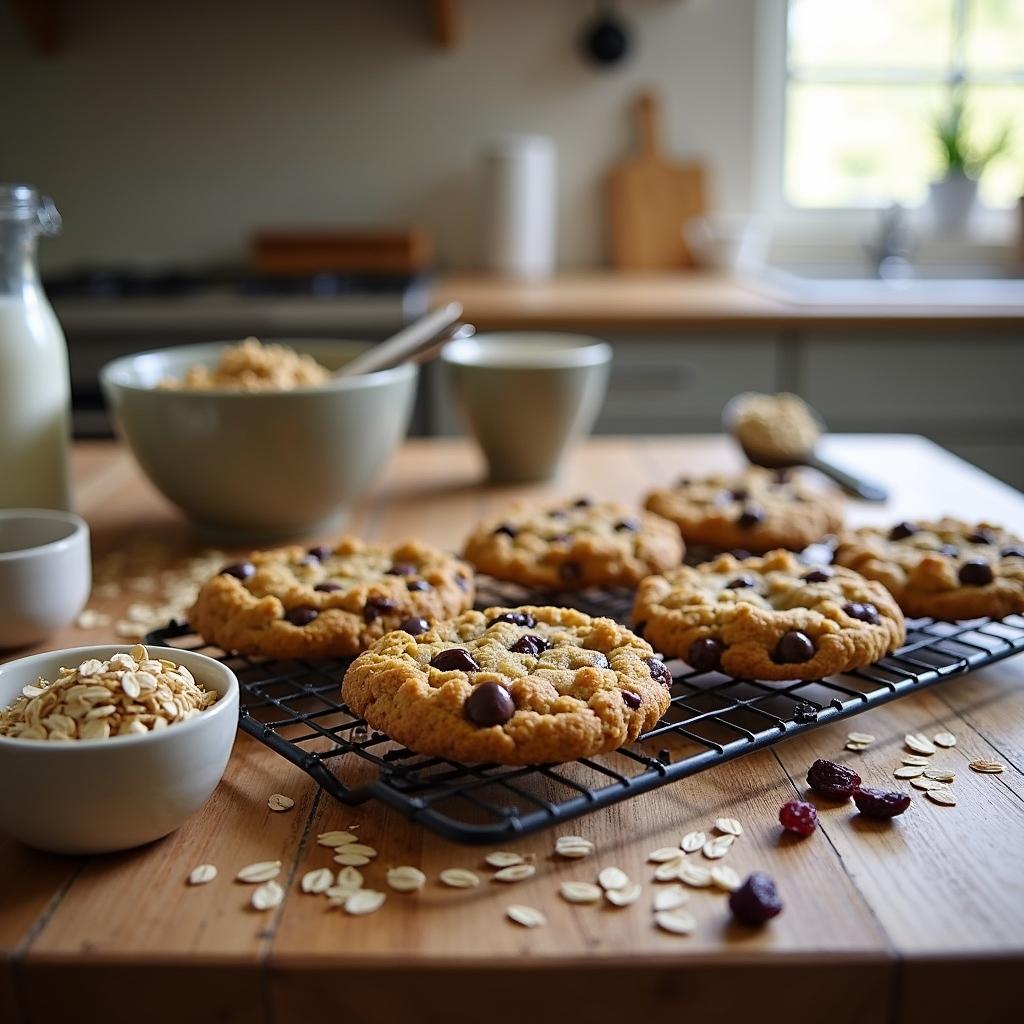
x=45, y=573
x=95, y=796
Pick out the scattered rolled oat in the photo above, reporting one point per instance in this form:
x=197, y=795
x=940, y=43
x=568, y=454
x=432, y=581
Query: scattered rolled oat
x=354, y=860
x=670, y=898
x=580, y=892
x=459, y=878
x=612, y=878
x=944, y=739
x=940, y=774
x=350, y=878
x=528, y=917
x=406, y=878
x=127, y=695
x=504, y=859
x=919, y=743
x=364, y=901
x=862, y=739
x=724, y=877
x=714, y=849
x=201, y=874
x=915, y=759
x=573, y=847
x=664, y=854
x=625, y=896
x=267, y=896
x=986, y=767
x=927, y=784
x=942, y=796
x=694, y=875
x=515, y=873
x=693, y=841
x=669, y=870
x=729, y=827
x=261, y=871
x=910, y=771
x=318, y=881
x=280, y=802
x=678, y=922
x=335, y=839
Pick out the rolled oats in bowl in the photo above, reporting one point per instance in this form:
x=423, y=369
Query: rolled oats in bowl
x=779, y=427
x=253, y=366
x=126, y=695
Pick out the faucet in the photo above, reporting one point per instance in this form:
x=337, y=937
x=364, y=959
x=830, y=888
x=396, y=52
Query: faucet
x=890, y=252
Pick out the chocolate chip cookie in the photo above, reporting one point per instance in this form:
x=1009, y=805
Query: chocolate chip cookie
x=946, y=568
x=768, y=618
x=757, y=510
x=512, y=686
x=573, y=545
x=329, y=600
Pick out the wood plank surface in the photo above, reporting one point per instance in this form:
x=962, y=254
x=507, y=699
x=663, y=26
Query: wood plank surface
x=878, y=917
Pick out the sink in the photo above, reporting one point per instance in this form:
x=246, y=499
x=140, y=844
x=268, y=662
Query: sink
x=854, y=285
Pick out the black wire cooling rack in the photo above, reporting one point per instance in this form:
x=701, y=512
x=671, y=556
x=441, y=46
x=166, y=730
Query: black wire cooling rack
x=294, y=707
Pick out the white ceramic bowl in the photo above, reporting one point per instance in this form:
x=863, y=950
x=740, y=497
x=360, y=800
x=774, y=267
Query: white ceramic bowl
x=45, y=573
x=94, y=796
x=255, y=466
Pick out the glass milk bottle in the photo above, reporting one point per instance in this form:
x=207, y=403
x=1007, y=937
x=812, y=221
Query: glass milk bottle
x=35, y=389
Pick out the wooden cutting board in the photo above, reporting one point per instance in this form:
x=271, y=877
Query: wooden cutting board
x=650, y=197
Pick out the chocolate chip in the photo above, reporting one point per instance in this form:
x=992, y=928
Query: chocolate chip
x=600, y=661
x=530, y=644
x=559, y=538
x=462, y=582
x=321, y=552
x=507, y=529
x=740, y=583
x=582, y=503
x=327, y=587
x=950, y=551
x=414, y=627
x=817, y=576
x=640, y=627
x=982, y=536
x=630, y=699
x=794, y=647
x=659, y=671
x=417, y=585
x=629, y=525
x=749, y=517
x=902, y=530
x=705, y=654
x=240, y=570
x=571, y=572
x=490, y=704
x=377, y=606
x=975, y=573
x=1012, y=552
x=524, y=619
x=301, y=616
x=402, y=569
x=739, y=494
x=454, y=659
x=864, y=612
x=738, y=553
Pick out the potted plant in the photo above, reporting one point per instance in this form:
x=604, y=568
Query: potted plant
x=953, y=195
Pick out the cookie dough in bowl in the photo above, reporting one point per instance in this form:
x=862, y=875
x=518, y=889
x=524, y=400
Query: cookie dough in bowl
x=768, y=618
x=525, y=685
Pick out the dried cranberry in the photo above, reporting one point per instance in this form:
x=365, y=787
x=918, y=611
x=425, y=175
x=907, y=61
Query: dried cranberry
x=835, y=781
x=756, y=900
x=659, y=671
x=880, y=803
x=530, y=644
x=454, y=659
x=630, y=699
x=524, y=619
x=375, y=607
x=799, y=817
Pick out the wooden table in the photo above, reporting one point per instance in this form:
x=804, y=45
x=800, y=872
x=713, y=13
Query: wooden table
x=919, y=920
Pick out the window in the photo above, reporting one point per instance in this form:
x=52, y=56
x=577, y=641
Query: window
x=866, y=82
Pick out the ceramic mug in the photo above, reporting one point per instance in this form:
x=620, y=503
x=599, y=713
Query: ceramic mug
x=527, y=396
x=45, y=572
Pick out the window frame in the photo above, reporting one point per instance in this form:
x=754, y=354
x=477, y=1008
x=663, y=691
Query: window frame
x=772, y=78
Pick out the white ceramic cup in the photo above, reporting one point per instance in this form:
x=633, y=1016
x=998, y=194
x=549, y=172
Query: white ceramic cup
x=95, y=796
x=45, y=572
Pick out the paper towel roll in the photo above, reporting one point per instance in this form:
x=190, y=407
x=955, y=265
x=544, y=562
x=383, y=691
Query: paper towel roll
x=520, y=183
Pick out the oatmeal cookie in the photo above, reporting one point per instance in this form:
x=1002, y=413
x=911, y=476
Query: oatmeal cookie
x=511, y=685
x=945, y=568
x=329, y=601
x=757, y=510
x=574, y=545
x=768, y=618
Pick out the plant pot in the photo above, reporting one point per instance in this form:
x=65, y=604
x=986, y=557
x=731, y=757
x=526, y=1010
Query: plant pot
x=951, y=201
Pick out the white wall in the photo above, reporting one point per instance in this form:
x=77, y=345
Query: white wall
x=166, y=132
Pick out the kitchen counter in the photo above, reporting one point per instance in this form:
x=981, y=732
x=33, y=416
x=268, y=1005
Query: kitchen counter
x=920, y=919
x=608, y=300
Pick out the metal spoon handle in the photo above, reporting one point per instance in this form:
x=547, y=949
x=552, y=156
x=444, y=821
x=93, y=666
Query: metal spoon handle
x=402, y=346
x=858, y=488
